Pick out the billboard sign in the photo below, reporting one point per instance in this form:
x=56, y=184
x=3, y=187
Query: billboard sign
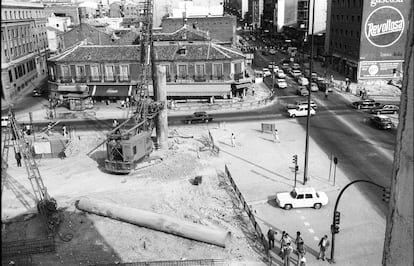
x=388, y=69
x=383, y=36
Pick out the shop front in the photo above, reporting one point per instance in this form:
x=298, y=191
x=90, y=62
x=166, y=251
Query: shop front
x=74, y=97
x=111, y=93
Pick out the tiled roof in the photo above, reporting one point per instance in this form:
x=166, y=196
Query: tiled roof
x=163, y=52
x=184, y=33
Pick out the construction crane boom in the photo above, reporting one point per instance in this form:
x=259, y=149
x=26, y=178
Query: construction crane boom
x=46, y=205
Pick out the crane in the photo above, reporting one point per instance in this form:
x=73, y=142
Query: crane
x=129, y=143
x=46, y=205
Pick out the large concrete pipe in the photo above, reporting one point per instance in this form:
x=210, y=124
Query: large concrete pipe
x=154, y=221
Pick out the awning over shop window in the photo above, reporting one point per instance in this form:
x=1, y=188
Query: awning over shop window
x=195, y=90
x=242, y=85
x=112, y=90
x=76, y=95
x=73, y=88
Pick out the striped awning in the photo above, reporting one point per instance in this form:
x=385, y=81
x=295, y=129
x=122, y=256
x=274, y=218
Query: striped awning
x=73, y=88
x=196, y=90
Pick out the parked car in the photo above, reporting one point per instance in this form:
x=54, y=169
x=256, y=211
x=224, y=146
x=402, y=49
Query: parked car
x=280, y=74
x=301, y=110
x=4, y=121
x=314, y=87
x=266, y=72
x=295, y=73
x=286, y=68
x=272, y=65
x=301, y=198
x=365, y=104
x=37, y=92
x=302, y=91
x=303, y=81
x=281, y=84
x=272, y=51
x=198, y=117
x=385, y=109
x=381, y=121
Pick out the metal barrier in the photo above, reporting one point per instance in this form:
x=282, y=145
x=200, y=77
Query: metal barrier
x=246, y=207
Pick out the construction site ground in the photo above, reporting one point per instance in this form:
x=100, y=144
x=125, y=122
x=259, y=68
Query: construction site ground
x=165, y=188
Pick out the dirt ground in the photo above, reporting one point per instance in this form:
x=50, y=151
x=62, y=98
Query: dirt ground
x=165, y=188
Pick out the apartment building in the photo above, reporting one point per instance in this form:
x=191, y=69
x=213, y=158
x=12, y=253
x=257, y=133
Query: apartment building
x=24, y=47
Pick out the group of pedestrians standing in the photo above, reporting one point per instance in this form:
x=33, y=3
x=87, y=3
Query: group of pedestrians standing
x=286, y=247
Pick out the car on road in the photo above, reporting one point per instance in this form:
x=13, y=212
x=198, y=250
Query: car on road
x=302, y=102
x=272, y=51
x=302, y=91
x=385, y=109
x=314, y=87
x=325, y=85
x=286, y=68
x=381, y=121
x=198, y=117
x=295, y=73
x=365, y=104
x=301, y=110
x=295, y=66
x=266, y=72
x=303, y=81
x=281, y=83
x=280, y=74
x=37, y=92
x=303, y=197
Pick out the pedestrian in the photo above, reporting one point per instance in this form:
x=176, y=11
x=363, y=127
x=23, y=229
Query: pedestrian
x=18, y=157
x=127, y=102
x=28, y=129
x=252, y=91
x=332, y=78
x=233, y=140
x=323, y=245
x=49, y=128
x=271, y=237
x=300, y=246
x=276, y=136
x=286, y=254
x=283, y=242
x=115, y=123
x=326, y=93
x=64, y=130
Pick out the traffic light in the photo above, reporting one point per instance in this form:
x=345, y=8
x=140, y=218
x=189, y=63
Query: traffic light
x=336, y=229
x=386, y=193
x=337, y=217
x=295, y=159
x=296, y=168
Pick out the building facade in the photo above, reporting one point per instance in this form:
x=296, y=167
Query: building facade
x=366, y=38
x=24, y=47
x=88, y=33
x=195, y=67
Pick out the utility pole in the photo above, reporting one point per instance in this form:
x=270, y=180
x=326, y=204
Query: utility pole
x=305, y=169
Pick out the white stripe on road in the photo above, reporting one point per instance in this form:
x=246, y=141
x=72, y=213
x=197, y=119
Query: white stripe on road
x=302, y=217
x=306, y=224
x=386, y=153
x=311, y=231
x=316, y=238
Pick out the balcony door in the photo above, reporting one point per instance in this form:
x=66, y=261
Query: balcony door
x=217, y=71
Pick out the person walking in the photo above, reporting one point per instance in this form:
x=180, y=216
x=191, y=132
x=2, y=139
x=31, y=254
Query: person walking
x=286, y=254
x=300, y=247
x=283, y=242
x=18, y=157
x=271, y=237
x=64, y=130
x=323, y=245
x=233, y=140
x=276, y=136
x=252, y=91
x=326, y=93
x=115, y=123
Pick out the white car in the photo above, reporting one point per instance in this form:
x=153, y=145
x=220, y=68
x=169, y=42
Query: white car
x=266, y=72
x=4, y=121
x=302, y=198
x=280, y=74
x=303, y=81
x=281, y=84
x=301, y=110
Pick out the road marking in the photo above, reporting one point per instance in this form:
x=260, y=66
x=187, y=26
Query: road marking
x=389, y=156
x=306, y=224
x=311, y=231
x=302, y=217
x=316, y=238
x=298, y=211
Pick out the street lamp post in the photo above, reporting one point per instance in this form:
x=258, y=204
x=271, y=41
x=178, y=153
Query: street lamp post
x=335, y=219
x=305, y=169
